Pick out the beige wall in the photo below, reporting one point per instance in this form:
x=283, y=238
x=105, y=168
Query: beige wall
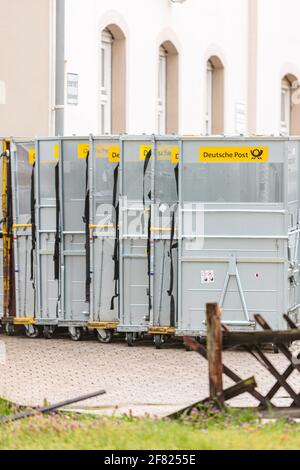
x=25, y=67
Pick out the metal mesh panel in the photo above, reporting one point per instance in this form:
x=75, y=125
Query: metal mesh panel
x=23, y=157
x=105, y=175
x=48, y=290
x=233, y=183
x=74, y=162
x=164, y=207
x=134, y=217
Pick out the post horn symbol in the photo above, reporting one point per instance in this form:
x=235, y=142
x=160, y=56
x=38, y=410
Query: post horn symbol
x=257, y=154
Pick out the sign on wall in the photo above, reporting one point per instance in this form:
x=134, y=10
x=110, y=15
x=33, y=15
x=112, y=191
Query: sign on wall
x=240, y=118
x=72, y=88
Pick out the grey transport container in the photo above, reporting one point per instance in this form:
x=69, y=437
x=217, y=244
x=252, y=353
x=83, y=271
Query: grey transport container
x=148, y=232
x=163, y=238
x=2, y=150
x=24, y=261
x=63, y=234
x=135, y=275
x=103, y=191
x=239, y=231
x=48, y=234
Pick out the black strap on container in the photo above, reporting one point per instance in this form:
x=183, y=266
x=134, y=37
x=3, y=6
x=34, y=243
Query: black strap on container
x=9, y=227
x=176, y=171
x=33, y=224
x=86, y=220
x=171, y=288
x=56, y=255
x=146, y=164
x=117, y=237
x=149, y=264
x=9, y=220
x=173, y=246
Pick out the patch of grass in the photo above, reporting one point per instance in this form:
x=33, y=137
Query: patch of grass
x=7, y=408
x=230, y=430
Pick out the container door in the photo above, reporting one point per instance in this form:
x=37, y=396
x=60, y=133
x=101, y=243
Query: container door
x=164, y=234
x=136, y=301
x=105, y=166
x=2, y=189
x=48, y=231
x=75, y=240
x=22, y=162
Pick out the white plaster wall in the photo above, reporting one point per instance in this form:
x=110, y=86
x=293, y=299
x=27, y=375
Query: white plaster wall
x=278, y=54
x=198, y=30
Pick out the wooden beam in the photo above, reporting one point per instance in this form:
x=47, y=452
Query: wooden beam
x=200, y=349
x=260, y=337
x=214, y=353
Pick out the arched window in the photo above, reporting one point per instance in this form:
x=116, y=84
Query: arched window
x=112, y=81
x=168, y=89
x=214, y=116
x=290, y=108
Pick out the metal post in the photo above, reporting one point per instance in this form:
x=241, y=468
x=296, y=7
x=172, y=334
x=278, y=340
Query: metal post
x=214, y=353
x=60, y=68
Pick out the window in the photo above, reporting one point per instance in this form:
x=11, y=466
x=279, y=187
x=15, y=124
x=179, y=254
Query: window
x=106, y=82
x=285, y=107
x=112, y=81
x=162, y=90
x=167, y=89
x=289, y=108
x=214, y=113
x=209, y=98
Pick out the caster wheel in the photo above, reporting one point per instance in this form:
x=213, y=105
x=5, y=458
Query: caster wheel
x=32, y=332
x=159, y=341
x=10, y=329
x=105, y=336
x=75, y=334
x=187, y=348
x=130, y=338
x=275, y=349
x=48, y=332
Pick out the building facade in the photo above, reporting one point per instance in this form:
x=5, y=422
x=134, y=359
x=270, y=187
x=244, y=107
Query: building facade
x=150, y=66
x=27, y=31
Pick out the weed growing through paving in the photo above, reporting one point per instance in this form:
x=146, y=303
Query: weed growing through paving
x=209, y=415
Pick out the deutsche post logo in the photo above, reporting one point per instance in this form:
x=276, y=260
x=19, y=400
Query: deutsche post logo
x=233, y=154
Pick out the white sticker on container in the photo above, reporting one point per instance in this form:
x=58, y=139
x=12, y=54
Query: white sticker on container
x=207, y=277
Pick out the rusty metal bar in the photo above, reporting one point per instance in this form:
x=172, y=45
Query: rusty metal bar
x=50, y=408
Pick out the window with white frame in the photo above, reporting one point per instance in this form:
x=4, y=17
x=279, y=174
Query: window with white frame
x=106, y=82
x=209, y=98
x=285, y=119
x=162, y=91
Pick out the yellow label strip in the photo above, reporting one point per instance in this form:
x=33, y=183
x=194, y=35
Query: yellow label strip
x=83, y=150
x=144, y=150
x=15, y=226
x=100, y=226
